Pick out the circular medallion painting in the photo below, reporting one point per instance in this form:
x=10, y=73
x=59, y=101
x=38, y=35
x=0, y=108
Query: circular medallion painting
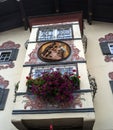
x=54, y=51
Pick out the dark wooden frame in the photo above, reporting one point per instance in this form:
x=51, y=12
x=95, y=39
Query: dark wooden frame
x=57, y=18
x=55, y=11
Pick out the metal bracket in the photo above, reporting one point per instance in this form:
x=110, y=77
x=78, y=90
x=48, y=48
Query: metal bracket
x=93, y=84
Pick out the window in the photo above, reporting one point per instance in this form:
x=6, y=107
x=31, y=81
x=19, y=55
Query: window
x=8, y=55
x=5, y=56
x=110, y=45
x=60, y=32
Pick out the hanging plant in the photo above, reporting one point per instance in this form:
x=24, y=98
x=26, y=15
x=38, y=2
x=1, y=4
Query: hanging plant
x=54, y=87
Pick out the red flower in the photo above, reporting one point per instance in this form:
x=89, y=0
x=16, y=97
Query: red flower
x=78, y=76
x=54, y=86
x=74, y=70
x=28, y=77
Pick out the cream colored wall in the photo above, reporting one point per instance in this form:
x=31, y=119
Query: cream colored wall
x=19, y=36
x=103, y=101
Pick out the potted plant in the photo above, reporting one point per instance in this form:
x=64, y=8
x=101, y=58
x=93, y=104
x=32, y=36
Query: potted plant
x=54, y=87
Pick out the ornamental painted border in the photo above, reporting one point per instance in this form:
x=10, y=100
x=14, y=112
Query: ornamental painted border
x=8, y=45
x=74, y=57
x=108, y=58
x=108, y=38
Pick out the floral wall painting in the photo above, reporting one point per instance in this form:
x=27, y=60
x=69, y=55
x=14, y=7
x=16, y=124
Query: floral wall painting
x=111, y=75
x=108, y=37
x=3, y=83
x=3, y=92
x=109, y=58
x=106, y=44
x=68, y=48
x=9, y=45
x=34, y=103
x=8, y=65
x=8, y=53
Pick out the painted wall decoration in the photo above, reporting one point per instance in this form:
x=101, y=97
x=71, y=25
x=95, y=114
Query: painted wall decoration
x=108, y=37
x=72, y=57
x=8, y=53
x=3, y=83
x=34, y=103
x=3, y=92
x=107, y=49
x=107, y=46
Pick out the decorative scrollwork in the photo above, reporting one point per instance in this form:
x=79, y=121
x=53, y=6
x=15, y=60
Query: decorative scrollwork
x=15, y=90
x=84, y=41
x=93, y=84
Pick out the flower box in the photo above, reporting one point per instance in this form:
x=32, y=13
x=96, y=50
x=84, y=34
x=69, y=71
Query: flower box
x=54, y=87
